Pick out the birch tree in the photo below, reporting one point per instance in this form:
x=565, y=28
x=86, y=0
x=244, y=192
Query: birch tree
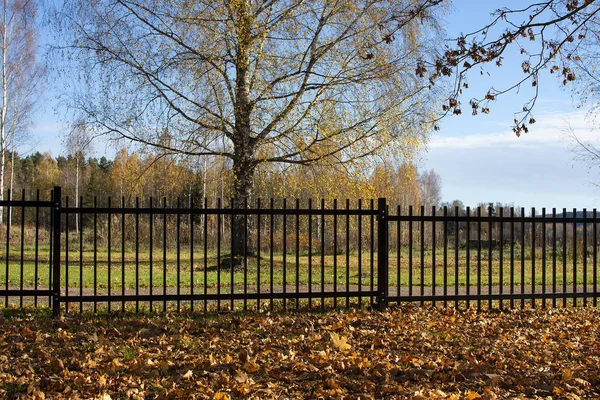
x=255, y=81
x=20, y=74
x=78, y=143
x=431, y=188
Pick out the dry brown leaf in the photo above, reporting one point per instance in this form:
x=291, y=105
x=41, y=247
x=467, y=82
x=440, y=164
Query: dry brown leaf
x=251, y=367
x=57, y=365
x=337, y=326
x=490, y=394
x=581, y=382
x=243, y=356
x=299, y=360
x=471, y=395
x=558, y=391
x=241, y=377
x=331, y=383
x=340, y=342
x=221, y=396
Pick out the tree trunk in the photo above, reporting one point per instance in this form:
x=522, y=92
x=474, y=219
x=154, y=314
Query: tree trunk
x=12, y=173
x=77, y=189
x=3, y=136
x=2, y=161
x=243, y=143
x=242, y=188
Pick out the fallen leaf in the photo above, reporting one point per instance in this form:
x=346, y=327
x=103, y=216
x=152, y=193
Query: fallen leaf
x=251, y=367
x=471, y=395
x=340, y=342
x=331, y=383
x=241, y=377
x=221, y=396
x=337, y=326
x=243, y=356
x=581, y=382
x=188, y=375
x=558, y=391
x=57, y=365
x=567, y=374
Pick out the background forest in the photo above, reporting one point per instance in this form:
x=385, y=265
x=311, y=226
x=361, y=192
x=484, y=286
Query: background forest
x=133, y=174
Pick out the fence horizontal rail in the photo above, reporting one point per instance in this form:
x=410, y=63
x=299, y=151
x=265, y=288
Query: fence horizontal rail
x=215, y=296
x=494, y=297
x=26, y=292
x=25, y=203
x=216, y=211
x=548, y=219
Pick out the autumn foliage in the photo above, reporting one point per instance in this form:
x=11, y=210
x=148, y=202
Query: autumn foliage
x=144, y=175
x=402, y=353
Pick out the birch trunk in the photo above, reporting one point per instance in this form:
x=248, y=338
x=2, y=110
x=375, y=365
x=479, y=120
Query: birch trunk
x=4, y=107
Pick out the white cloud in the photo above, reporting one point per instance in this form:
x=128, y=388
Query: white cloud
x=550, y=130
x=538, y=169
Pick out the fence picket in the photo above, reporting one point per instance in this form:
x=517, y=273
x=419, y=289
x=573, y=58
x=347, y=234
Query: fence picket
x=337, y=231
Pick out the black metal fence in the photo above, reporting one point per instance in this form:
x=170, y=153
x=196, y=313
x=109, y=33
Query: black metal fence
x=160, y=255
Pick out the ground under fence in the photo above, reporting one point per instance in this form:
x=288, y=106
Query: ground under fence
x=155, y=254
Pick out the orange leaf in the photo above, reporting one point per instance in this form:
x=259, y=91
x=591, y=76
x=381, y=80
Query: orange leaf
x=37, y=395
x=472, y=395
x=331, y=383
x=337, y=326
x=567, y=374
x=558, y=391
x=251, y=367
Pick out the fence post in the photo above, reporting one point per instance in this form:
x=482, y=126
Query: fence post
x=56, y=210
x=382, y=254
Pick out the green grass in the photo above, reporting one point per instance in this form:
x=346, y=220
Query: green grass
x=81, y=270
x=14, y=388
x=129, y=353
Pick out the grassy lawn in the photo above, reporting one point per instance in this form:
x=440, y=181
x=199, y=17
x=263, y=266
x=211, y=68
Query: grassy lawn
x=402, y=353
x=302, y=269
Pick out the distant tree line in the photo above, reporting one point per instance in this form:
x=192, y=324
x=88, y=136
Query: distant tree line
x=132, y=175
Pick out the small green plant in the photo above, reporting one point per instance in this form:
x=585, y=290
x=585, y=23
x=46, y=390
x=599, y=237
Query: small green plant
x=128, y=353
x=15, y=388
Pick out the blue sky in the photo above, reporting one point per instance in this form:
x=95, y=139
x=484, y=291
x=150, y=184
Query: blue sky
x=478, y=158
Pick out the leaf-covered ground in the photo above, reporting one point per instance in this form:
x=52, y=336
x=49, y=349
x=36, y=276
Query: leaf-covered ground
x=402, y=353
